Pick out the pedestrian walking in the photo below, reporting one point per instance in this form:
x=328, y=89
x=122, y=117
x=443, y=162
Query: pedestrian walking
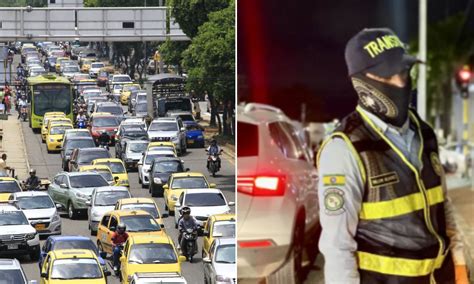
x=4, y=168
x=384, y=211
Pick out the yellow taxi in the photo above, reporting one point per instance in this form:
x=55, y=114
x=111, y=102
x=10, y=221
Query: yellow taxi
x=86, y=64
x=55, y=121
x=55, y=136
x=126, y=91
x=8, y=185
x=141, y=203
x=217, y=226
x=44, y=125
x=102, y=170
x=178, y=183
x=117, y=167
x=161, y=145
x=149, y=254
x=58, y=62
x=138, y=222
x=75, y=266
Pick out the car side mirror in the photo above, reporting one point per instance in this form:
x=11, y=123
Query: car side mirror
x=63, y=185
x=212, y=185
x=88, y=203
x=206, y=260
x=187, y=169
x=107, y=273
x=165, y=186
x=183, y=128
x=58, y=206
x=44, y=275
x=232, y=203
x=103, y=254
x=162, y=226
x=181, y=258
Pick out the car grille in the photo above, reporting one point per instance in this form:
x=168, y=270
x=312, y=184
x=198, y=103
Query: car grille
x=201, y=218
x=12, y=238
x=161, y=138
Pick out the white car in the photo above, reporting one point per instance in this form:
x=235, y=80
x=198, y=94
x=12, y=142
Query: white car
x=40, y=210
x=17, y=236
x=102, y=201
x=70, y=70
x=219, y=266
x=134, y=121
x=12, y=272
x=94, y=69
x=36, y=71
x=120, y=79
x=157, y=277
x=276, y=184
x=203, y=203
x=145, y=163
x=453, y=159
x=169, y=129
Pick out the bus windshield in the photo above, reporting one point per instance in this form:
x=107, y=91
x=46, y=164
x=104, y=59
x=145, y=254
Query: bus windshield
x=51, y=97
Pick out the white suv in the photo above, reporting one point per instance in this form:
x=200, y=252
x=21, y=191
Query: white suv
x=169, y=129
x=278, y=220
x=11, y=271
x=17, y=236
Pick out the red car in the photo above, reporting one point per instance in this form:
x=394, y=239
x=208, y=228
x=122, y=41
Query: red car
x=103, y=122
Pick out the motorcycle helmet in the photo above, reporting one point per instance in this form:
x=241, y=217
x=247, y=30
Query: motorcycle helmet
x=121, y=227
x=186, y=211
x=32, y=172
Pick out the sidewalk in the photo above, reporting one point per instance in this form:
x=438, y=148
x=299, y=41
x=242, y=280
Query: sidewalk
x=13, y=144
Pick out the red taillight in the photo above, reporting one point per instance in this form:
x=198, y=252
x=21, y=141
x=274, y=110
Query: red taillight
x=256, y=244
x=261, y=185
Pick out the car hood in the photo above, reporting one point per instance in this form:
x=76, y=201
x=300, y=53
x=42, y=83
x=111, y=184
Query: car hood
x=100, y=210
x=94, y=70
x=153, y=133
x=193, y=133
x=207, y=211
x=113, y=128
x=168, y=267
x=78, y=281
x=163, y=176
x=39, y=213
x=88, y=190
x=226, y=269
x=17, y=229
x=133, y=155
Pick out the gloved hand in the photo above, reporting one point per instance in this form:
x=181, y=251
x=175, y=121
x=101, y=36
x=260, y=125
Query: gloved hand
x=462, y=276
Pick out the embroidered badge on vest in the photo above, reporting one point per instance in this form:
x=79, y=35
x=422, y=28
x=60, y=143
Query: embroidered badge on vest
x=435, y=163
x=334, y=201
x=384, y=179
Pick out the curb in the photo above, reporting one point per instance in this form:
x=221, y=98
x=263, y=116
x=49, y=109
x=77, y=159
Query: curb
x=228, y=150
x=24, y=145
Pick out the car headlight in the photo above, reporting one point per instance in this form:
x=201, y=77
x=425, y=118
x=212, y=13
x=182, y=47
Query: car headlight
x=31, y=236
x=223, y=279
x=56, y=218
x=174, y=197
x=52, y=139
x=174, y=138
x=157, y=180
x=200, y=136
x=81, y=195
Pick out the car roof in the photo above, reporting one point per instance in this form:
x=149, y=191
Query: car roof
x=153, y=152
x=115, y=188
x=7, y=179
x=187, y=174
x=69, y=238
x=165, y=119
x=136, y=200
x=108, y=104
x=136, y=141
x=92, y=149
x=225, y=241
x=122, y=213
x=77, y=130
x=256, y=113
x=75, y=174
x=79, y=138
x=110, y=160
x=147, y=239
x=224, y=217
x=164, y=159
x=161, y=143
x=30, y=193
x=72, y=253
x=202, y=190
x=9, y=264
x=60, y=125
x=93, y=167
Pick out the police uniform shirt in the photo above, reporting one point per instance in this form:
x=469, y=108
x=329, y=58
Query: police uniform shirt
x=339, y=225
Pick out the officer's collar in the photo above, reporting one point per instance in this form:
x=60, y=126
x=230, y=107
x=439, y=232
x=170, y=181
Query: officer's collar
x=385, y=127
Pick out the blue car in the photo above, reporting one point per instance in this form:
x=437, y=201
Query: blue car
x=70, y=242
x=194, y=134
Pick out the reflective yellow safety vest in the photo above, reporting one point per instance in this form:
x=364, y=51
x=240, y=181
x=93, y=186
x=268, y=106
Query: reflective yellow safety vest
x=401, y=234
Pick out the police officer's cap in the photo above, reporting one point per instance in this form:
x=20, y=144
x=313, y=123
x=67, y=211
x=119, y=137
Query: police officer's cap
x=377, y=51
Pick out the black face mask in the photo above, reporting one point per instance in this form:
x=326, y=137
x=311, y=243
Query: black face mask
x=388, y=102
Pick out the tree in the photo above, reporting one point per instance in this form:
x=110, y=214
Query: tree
x=172, y=52
x=210, y=61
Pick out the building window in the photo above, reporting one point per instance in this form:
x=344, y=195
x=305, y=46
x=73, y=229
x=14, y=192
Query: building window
x=128, y=25
x=52, y=1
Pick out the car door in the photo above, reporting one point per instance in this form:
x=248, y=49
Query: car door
x=72, y=159
x=102, y=231
x=166, y=190
x=44, y=252
x=206, y=240
x=110, y=231
x=89, y=208
x=182, y=132
x=52, y=188
x=124, y=264
x=45, y=269
x=63, y=190
x=208, y=269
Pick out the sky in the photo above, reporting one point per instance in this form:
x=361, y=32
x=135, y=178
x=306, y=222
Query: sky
x=292, y=52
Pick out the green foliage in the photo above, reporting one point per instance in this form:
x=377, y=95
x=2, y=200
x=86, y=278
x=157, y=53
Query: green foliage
x=191, y=14
x=171, y=51
x=91, y=3
x=23, y=3
x=127, y=3
x=210, y=59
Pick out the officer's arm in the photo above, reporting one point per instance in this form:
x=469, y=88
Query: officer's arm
x=340, y=195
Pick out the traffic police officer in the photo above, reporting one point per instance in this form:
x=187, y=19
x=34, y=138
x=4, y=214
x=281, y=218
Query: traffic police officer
x=384, y=212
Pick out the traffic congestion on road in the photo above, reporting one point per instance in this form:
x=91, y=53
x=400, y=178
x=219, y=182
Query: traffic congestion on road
x=114, y=195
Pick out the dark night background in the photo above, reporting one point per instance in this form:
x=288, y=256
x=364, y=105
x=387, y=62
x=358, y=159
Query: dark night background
x=292, y=52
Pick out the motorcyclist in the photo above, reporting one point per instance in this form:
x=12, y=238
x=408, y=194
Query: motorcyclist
x=214, y=149
x=186, y=222
x=19, y=70
x=119, y=237
x=22, y=102
x=33, y=181
x=104, y=138
x=81, y=117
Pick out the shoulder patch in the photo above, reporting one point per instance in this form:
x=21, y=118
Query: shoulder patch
x=336, y=179
x=334, y=201
x=435, y=163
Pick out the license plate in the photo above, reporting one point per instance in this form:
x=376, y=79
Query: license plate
x=12, y=246
x=190, y=141
x=40, y=226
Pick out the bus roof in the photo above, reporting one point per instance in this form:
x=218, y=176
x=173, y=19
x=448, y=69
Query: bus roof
x=48, y=78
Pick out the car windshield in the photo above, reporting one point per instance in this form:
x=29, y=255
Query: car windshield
x=131, y=88
x=148, y=207
x=115, y=167
x=87, y=181
x=224, y=229
x=152, y=253
x=115, y=110
x=71, y=69
x=78, y=134
x=193, y=127
x=108, y=121
x=137, y=134
x=103, y=74
x=140, y=223
x=189, y=182
x=108, y=198
x=137, y=147
x=141, y=108
x=122, y=79
x=168, y=167
x=8, y=276
x=107, y=175
x=87, y=157
x=92, y=93
x=8, y=218
x=225, y=254
x=81, y=77
x=150, y=157
x=9, y=187
x=141, y=98
x=58, y=130
x=186, y=117
x=35, y=202
x=164, y=126
x=205, y=199
x=73, y=144
x=79, y=268
x=97, y=65
x=118, y=87
x=75, y=244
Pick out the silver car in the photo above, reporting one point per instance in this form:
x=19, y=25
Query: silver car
x=133, y=152
x=219, y=266
x=169, y=129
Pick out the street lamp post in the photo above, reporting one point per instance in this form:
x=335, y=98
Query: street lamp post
x=421, y=83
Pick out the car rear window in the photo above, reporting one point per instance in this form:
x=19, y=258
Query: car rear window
x=247, y=141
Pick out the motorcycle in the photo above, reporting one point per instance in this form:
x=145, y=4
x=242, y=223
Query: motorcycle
x=189, y=244
x=24, y=112
x=117, y=271
x=104, y=145
x=213, y=163
x=81, y=124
